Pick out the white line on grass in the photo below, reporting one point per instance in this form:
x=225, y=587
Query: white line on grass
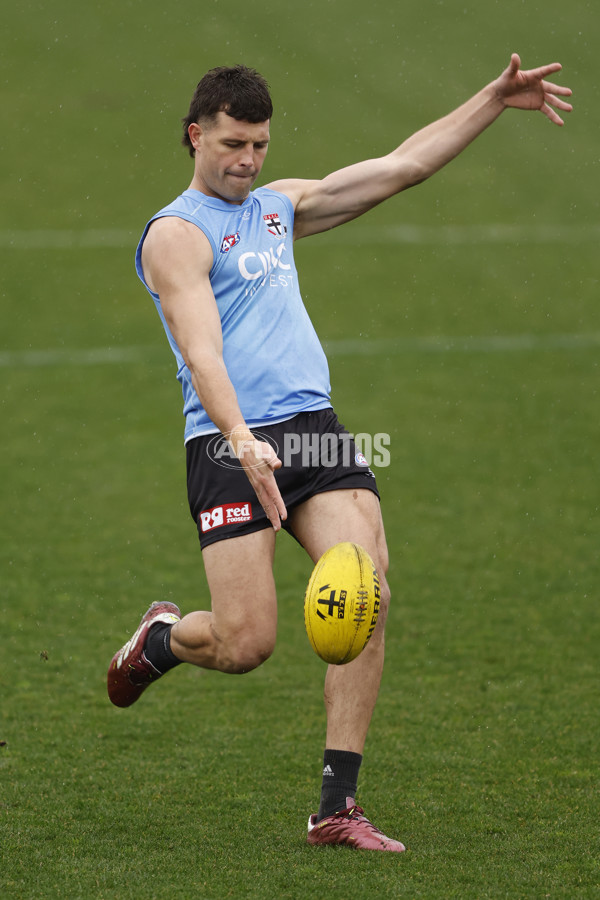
x=67, y=239
x=496, y=343
x=567, y=233
x=63, y=356
x=120, y=238
x=361, y=346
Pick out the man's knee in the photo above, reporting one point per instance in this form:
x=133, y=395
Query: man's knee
x=241, y=655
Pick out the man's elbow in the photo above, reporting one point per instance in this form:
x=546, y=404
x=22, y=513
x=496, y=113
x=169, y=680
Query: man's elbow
x=414, y=172
x=408, y=172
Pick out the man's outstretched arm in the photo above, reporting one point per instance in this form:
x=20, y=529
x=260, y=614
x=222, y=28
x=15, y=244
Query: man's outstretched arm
x=349, y=192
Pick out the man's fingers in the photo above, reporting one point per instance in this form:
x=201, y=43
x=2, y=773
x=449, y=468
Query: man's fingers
x=263, y=481
x=547, y=70
x=551, y=114
x=551, y=100
x=281, y=509
x=514, y=64
x=556, y=101
x=557, y=88
x=275, y=510
x=260, y=461
x=276, y=506
x=541, y=72
x=272, y=516
x=253, y=453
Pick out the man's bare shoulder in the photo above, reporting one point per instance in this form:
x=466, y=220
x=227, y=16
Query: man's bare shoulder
x=168, y=230
x=293, y=188
x=174, y=245
x=173, y=236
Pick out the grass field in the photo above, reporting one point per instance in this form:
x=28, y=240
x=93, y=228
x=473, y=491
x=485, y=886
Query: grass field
x=461, y=318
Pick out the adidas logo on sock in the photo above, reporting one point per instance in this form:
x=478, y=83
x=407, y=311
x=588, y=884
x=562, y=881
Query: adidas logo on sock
x=328, y=771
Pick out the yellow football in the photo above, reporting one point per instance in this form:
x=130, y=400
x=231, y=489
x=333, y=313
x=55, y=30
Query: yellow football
x=341, y=604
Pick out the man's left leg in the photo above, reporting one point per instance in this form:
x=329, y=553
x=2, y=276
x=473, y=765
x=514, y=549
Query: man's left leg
x=350, y=690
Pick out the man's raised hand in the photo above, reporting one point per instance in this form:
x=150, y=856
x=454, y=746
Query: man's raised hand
x=530, y=90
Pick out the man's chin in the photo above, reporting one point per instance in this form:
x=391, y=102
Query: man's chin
x=239, y=188
x=232, y=190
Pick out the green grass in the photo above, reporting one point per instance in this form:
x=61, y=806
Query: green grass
x=479, y=358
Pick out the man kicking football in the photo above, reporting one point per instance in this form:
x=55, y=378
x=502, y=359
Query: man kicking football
x=218, y=263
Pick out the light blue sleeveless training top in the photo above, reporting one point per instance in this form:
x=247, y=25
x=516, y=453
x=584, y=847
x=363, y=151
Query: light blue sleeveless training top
x=272, y=353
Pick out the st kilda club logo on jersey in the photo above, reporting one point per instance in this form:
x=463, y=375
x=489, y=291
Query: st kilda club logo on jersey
x=274, y=226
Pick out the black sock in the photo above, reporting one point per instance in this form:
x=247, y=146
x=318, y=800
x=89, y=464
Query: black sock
x=340, y=777
x=157, y=648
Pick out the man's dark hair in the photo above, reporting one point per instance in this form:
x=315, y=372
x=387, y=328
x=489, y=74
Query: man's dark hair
x=239, y=91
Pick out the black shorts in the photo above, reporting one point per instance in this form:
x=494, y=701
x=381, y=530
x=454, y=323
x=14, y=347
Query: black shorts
x=317, y=454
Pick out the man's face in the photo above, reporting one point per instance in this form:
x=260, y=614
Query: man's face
x=229, y=156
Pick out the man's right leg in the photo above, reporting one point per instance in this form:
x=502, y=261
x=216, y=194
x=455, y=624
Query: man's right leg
x=239, y=631
x=235, y=636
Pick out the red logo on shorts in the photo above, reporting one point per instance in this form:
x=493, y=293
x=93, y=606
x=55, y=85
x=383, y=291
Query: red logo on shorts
x=227, y=514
